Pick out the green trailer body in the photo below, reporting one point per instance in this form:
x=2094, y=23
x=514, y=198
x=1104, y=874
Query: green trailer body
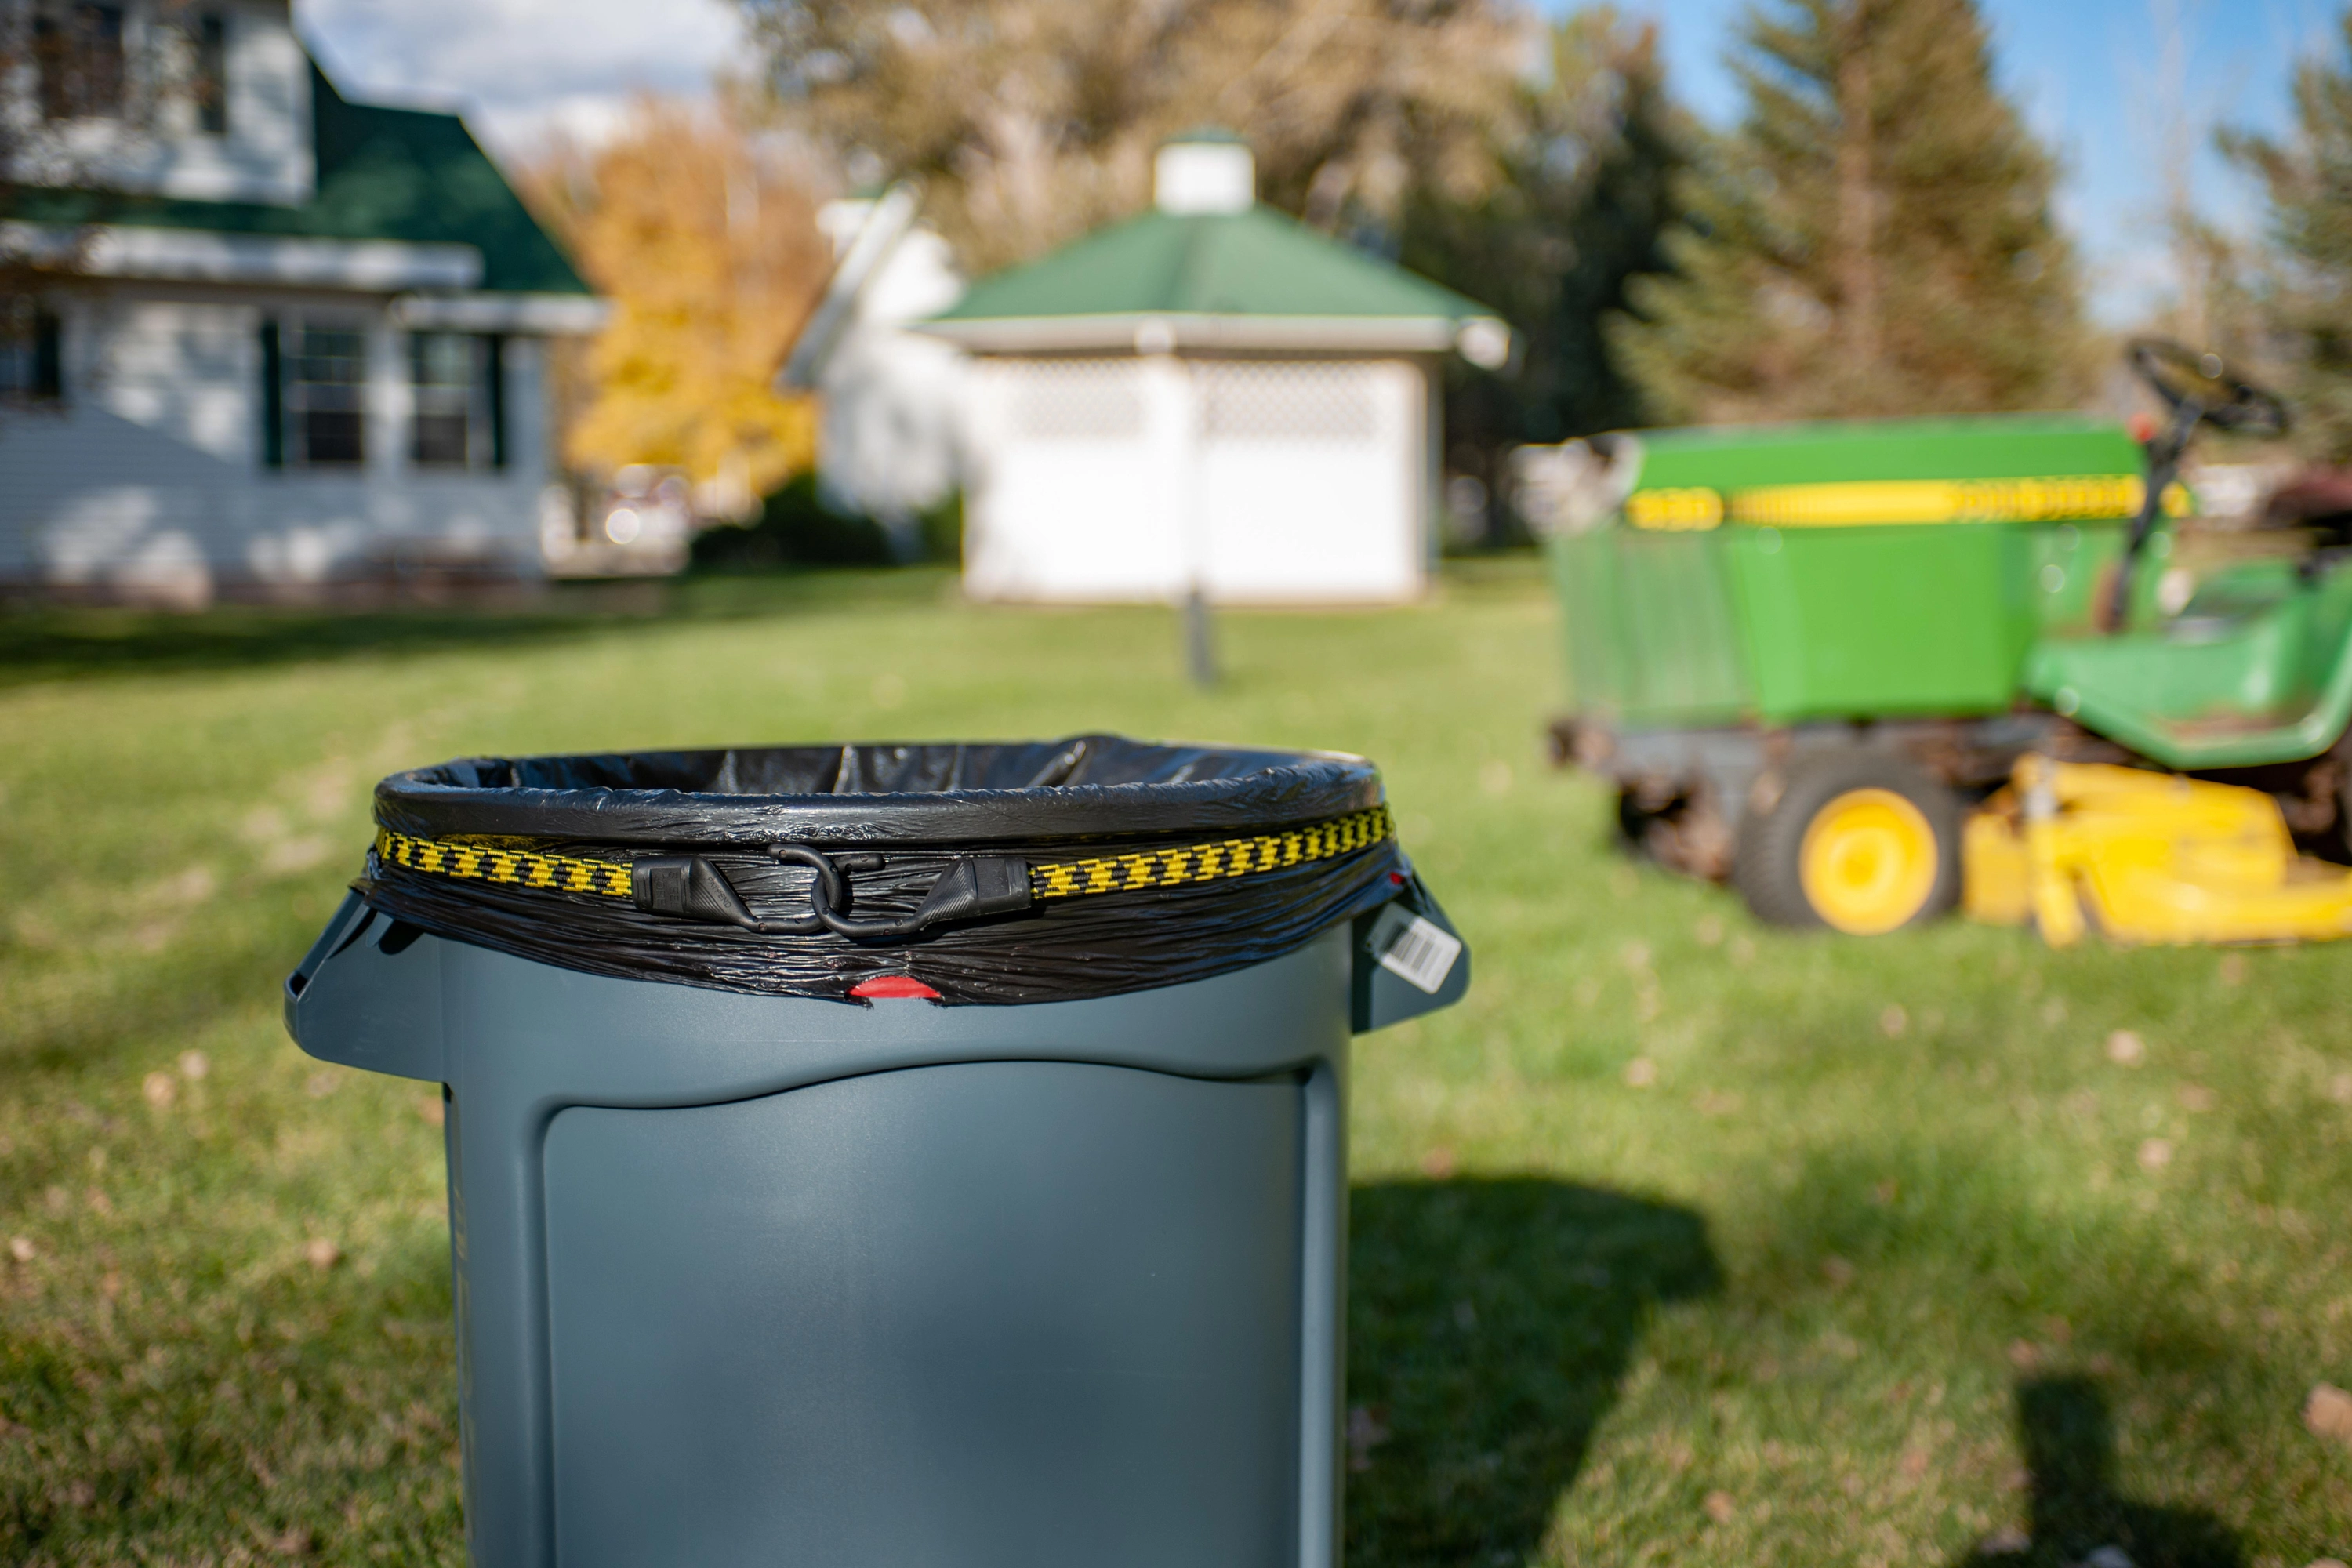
x=1847, y=571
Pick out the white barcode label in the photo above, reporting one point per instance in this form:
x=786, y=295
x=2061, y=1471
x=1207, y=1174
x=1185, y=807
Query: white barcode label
x=1419, y=951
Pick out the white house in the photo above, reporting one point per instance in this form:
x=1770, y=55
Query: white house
x=1206, y=399
x=291, y=338
x=890, y=439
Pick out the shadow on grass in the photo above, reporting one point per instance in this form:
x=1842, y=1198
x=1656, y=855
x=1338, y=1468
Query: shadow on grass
x=54, y=642
x=2069, y=1444
x=1489, y=1324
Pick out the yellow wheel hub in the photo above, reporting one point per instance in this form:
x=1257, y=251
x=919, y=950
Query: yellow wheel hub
x=1869, y=861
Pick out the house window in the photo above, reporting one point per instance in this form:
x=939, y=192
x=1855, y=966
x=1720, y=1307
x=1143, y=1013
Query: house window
x=78, y=54
x=457, y=415
x=324, y=400
x=208, y=80
x=31, y=363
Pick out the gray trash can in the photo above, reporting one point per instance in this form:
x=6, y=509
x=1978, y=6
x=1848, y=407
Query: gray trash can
x=889, y=1155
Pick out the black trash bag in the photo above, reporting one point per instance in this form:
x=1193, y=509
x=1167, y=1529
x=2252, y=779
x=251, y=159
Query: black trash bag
x=985, y=873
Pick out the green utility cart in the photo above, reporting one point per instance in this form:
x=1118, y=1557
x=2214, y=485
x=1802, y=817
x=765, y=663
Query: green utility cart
x=1804, y=653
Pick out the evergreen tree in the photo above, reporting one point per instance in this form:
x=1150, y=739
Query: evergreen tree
x=1580, y=208
x=2310, y=303
x=1874, y=238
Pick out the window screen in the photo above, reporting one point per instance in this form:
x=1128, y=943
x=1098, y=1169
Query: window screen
x=454, y=408
x=78, y=55
x=326, y=396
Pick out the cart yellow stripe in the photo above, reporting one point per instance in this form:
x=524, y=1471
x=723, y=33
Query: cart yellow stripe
x=1872, y=504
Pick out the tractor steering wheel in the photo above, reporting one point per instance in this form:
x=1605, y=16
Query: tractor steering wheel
x=2186, y=379
x=2200, y=390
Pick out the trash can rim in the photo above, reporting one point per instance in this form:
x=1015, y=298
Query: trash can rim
x=1257, y=787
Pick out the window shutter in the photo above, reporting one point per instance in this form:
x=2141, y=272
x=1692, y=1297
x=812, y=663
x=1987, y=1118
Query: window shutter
x=494, y=371
x=49, y=356
x=273, y=400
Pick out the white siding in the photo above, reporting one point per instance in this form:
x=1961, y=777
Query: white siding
x=1311, y=480
x=150, y=480
x=1271, y=481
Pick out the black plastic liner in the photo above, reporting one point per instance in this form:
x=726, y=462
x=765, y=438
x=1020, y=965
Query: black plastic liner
x=901, y=815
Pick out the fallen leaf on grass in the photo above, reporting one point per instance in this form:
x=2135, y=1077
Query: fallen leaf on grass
x=160, y=1089
x=2328, y=1413
x=2126, y=1049
x=1437, y=1164
x=194, y=1065
x=1837, y=1270
x=2024, y=1355
x=20, y=1247
x=321, y=1253
x=2339, y=1088
x=1641, y=1072
x=1915, y=1462
x=2196, y=1096
x=2154, y=1153
x=1719, y=1507
x=431, y=1109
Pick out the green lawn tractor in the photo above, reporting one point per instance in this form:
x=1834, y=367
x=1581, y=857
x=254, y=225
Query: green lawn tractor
x=1866, y=671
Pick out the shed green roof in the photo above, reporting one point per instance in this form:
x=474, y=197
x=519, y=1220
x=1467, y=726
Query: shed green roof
x=383, y=174
x=1254, y=263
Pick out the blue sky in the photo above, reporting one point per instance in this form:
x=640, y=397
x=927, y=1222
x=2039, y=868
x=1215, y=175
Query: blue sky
x=2085, y=71
x=2087, y=75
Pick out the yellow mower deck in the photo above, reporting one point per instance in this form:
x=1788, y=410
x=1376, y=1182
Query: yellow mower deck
x=2144, y=857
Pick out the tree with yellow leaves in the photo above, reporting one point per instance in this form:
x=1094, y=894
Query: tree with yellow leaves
x=708, y=246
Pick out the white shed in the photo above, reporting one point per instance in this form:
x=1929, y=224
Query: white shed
x=1209, y=398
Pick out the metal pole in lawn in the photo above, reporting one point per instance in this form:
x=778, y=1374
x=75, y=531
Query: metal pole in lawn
x=1199, y=648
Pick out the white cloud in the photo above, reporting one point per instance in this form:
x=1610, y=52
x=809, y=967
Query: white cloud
x=517, y=68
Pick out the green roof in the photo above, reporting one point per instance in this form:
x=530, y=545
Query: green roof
x=1983, y=446
x=1254, y=263
x=384, y=174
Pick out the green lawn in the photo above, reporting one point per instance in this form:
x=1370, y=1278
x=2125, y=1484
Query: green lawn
x=1681, y=1241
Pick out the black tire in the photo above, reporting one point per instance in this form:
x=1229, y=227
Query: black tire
x=1766, y=859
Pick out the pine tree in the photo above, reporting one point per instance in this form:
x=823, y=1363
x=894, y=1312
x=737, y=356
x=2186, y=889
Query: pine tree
x=1875, y=237
x=1580, y=208
x=2309, y=181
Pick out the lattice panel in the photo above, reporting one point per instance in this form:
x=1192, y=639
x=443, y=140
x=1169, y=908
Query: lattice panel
x=1290, y=403
x=1076, y=400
